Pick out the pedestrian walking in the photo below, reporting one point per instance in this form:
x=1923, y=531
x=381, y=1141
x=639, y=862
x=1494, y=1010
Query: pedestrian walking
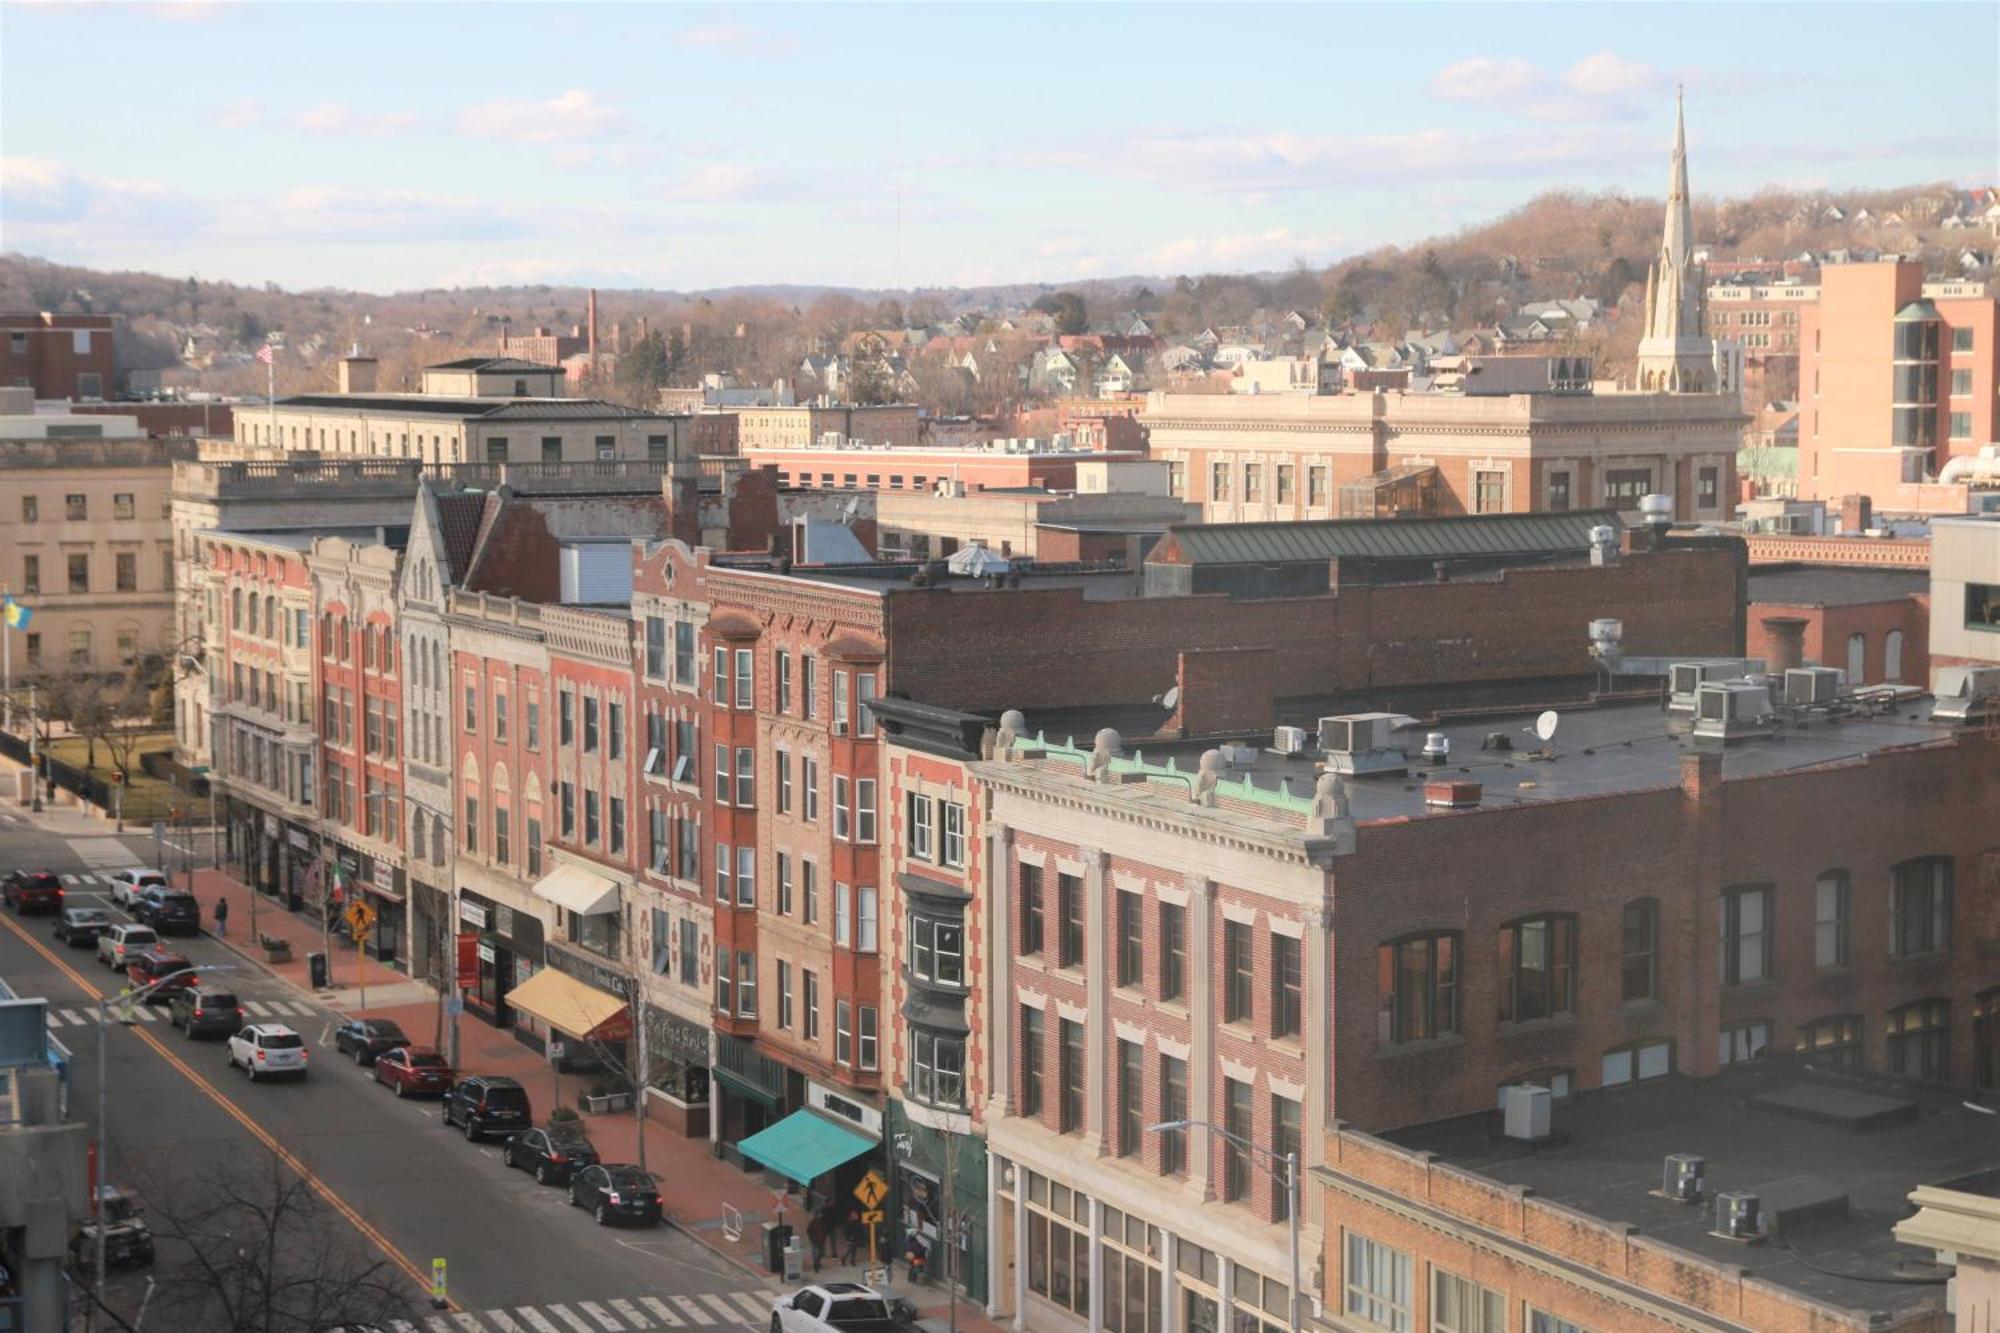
x=816, y=1233
x=853, y=1236
x=222, y=918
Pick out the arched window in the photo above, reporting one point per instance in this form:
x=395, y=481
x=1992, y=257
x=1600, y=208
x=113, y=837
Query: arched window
x=1417, y=983
x=437, y=841
x=236, y=609
x=270, y=616
x=1892, y=657
x=1857, y=659
x=1641, y=920
x=417, y=820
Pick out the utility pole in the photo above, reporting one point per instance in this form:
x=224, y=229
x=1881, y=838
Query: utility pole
x=34, y=764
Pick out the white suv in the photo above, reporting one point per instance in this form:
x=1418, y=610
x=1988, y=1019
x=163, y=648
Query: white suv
x=127, y=885
x=116, y=946
x=268, y=1048
x=833, y=1307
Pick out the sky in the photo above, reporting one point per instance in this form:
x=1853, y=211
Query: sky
x=388, y=147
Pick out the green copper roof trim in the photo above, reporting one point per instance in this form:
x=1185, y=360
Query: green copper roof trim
x=1236, y=789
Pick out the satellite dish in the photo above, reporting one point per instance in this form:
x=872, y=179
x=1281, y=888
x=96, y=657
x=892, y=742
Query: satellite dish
x=1545, y=725
x=1171, y=699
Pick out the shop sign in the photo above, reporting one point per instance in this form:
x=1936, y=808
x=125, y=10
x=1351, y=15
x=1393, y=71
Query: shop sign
x=299, y=840
x=846, y=1108
x=485, y=952
x=468, y=961
x=472, y=914
x=270, y=825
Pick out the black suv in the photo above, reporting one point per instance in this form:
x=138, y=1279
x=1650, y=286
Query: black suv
x=554, y=1154
x=202, y=1013
x=169, y=911
x=486, y=1104
x=366, y=1038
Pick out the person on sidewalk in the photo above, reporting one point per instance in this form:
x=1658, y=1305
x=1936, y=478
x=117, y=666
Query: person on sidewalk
x=222, y=918
x=816, y=1234
x=853, y=1236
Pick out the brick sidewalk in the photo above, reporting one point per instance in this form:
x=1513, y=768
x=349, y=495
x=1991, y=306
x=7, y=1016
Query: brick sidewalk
x=694, y=1183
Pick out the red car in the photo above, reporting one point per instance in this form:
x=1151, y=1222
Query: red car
x=409, y=1069
x=143, y=969
x=33, y=891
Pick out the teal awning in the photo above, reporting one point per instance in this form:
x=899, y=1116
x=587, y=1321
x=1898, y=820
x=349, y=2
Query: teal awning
x=805, y=1146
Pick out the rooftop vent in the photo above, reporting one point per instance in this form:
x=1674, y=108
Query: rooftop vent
x=1681, y=1178
x=1657, y=511
x=1524, y=1111
x=1967, y=694
x=1605, y=636
x=1361, y=743
x=1437, y=748
x=1289, y=740
x=1604, y=546
x=1734, y=710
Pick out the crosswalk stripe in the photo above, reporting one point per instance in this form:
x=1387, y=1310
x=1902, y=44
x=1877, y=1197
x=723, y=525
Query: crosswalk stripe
x=501, y=1320
x=402, y=1326
x=659, y=1307
x=257, y=1007
x=436, y=1324
x=631, y=1312
x=728, y=1314
x=535, y=1320
x=598, y=1312
x=750, y=1304
x=79, y=1020
x=145, y=1013
x=562, y=1312
x=470, y=1322
x=693, y=1311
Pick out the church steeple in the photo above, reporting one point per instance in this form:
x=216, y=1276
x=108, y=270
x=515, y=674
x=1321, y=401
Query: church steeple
x=1675, y=356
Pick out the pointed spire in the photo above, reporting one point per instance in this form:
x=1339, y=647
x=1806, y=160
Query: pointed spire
x=1675, y=241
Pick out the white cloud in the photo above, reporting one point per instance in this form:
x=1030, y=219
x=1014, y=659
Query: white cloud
x=339, y=120
x=1603, y=85
x=239, y=115
x=570, y=116
x=738, y=40
x=1483, y=79
x=722, y=183
x=1606, y=74
x=1273, y=248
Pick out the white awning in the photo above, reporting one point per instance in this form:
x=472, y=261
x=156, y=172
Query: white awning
x=578, y=890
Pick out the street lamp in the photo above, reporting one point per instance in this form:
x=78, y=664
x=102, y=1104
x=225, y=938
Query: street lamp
x=1284, y=1168
x=128, y=996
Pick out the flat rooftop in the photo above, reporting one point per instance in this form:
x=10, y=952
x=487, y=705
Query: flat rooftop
x=1802, y=1140
x=1835, y=586
x=396, y=535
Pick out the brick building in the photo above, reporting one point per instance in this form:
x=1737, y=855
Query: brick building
x=1965, y=592
x=1763, y=319
x=914, y=468
x=1874, y=624
x=58, y=356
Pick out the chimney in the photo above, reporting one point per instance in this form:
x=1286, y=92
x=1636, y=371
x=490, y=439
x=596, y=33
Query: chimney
x=617, y=337
x=643, y=330
x=1786, y=646
x=590, y=344
x=357, y=373
x=1857, y=514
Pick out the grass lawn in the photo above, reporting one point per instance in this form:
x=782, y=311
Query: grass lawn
x=146, y=799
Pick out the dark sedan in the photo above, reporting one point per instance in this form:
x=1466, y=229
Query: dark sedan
x=203, y=1013
x=32, y=891
x=79, y=927
x=554, y=1154
x=367, y=1038
x=616, y=1193
x=408, y=1069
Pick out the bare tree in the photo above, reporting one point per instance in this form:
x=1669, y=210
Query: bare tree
x=259, y=1252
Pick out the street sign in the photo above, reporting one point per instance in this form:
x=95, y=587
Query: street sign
x=872, y=1190
x=438, y=1297
x=872, y=1216
x=876, y=1277
x=360, y=916
x=159, y=830
x=454, y=1006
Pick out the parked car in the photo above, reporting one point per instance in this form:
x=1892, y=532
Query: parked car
x=367, y=1038
x=169, y=911
x=121, y=941
x=78, y=926
x=127, y=885
x=127, y=1238
x=201, y=1013
x=487, y=1104
x=32, y=891
x=408, y=1069
x=833, y=1307
x=162, y=965
x=616, y=1193
x=268, y=1048
x=554, y=1154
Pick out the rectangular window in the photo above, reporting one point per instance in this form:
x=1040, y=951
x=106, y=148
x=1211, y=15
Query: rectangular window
x=809, y=993
x=500, y=841
x=866, y=926
x=1285, y=1141
x=1982, y=606
x=1173, y=1107
x=589, y=726
x=1069, y=921
x=746, y=696
x=76, y=508
x=687, y=848
x=864, y=810
x=1070, y=1075
x=471, y=824
x=1830, y=920
x=614, y=725
x=31, y=509
x=565, y=717
x=656, y=647
x=808, y=891
x=1961, y=340
x=1707, y=487
x=1031, y=910
x=843, y=1032
x=722, y=774
x=1655, y=1060
x=783, y=668
x=809, y=788
x=590, y=822
x=1489, y=492
x=784, y=878
x=499, y=713
x=1743, y=1041
x=1286, y=474
x=719, y=679
x=843, y=915
x=1541, y=1321
x=746, y=984
x=746, y=776
x=746, y=876
x=725, y=981
x=125, y=567
x=1537, y=968
x=782, y=761
x=1624, y=486
x=79, y=573
x=952, y=849
x=1131, y=939
x=31, y=573
x=1131, y=1096
x=864, y=705
x=1377, y=1281
x=869, y=1036
x=1287, y=987
x=725, y=870
x=566, y=800
x=1253, y=483
x=1173, y=951
x=843, y=812
x=1746, y=935
x=532, y=848
x=533, y=726
x=1218, y=481
x=1961, y=384
x=784, y=994
x=690, y=952
x=1961, y=426
x=1833, y=1041
x=1460, y=1305
x=920, y=828
x=1922, y=907
x=840, y=705
x=1641, y=925
x=1316, y=476
x=683, y=653
x=615, y=815
x=809, y=685
x=1237, y=1130
x=1558, y=492
x=1031, y=1061
x=1238, y=973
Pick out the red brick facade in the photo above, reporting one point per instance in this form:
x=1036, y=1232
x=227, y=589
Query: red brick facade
x=58, y=356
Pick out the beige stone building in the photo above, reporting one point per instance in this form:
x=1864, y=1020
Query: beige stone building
x=800, y=427
x=86, y=538
x=1088, y=523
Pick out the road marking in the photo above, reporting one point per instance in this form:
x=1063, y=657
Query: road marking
x=750, y=1304
x=728, y=1314
x=535, y=1320
x=659, y=1307
x=402, y=1326
x=471, y=1322
x=436, y=1324
x=631, y=1312
x=562, y=1312
x=501, y=1320
x=694, y=1312
x=601, y=1315
x=285, y=1155
x=258, y=1008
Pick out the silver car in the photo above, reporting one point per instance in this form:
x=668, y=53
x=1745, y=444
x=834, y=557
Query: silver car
x=116, y=945
x=127, y=885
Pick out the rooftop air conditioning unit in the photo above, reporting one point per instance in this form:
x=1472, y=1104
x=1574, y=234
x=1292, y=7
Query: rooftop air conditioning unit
x=1361, y=743
x=1967, y=694
x=1524, y=1111
x=1811, y=687
x=1684, y=679
x=1734, y=710
x=1681, y=1180
x=1289, y=740
x=1739, y=1214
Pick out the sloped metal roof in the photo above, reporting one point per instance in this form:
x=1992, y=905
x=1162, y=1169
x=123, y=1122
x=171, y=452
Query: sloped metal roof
x=1389, y=538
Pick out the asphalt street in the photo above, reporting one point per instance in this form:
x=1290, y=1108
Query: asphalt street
x=518, y=1258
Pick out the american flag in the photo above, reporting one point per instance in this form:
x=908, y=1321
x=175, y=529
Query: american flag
x=267, y=354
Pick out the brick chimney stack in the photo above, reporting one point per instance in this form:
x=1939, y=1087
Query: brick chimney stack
x=590, y=345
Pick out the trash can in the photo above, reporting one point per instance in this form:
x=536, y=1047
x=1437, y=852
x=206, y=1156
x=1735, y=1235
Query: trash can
x=777, y=1235
x=316, y=968
x=795, y=1260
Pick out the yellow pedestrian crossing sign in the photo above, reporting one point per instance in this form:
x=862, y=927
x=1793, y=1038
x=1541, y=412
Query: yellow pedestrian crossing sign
x=872, y=1190
x=360, y=919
